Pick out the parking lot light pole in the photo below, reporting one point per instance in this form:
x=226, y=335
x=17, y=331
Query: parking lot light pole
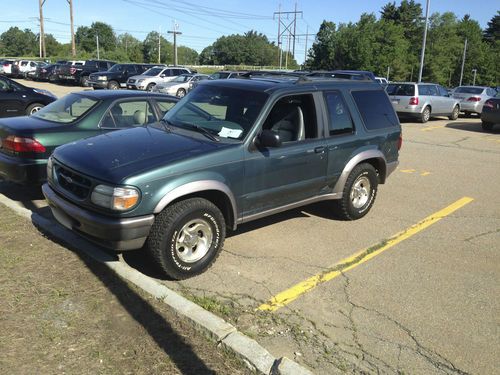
x=474, y=79
x=463, y=62
x=423, y=42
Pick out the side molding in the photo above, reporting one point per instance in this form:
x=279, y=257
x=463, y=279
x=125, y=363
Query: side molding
x=365, y=155
x=195, y=187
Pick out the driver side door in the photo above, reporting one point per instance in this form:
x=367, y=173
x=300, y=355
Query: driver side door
x=11, y=103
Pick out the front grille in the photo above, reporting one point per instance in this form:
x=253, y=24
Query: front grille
x=72, y=182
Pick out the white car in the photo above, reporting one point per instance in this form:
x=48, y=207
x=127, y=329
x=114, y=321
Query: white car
x=154, y=76
x=180, y=85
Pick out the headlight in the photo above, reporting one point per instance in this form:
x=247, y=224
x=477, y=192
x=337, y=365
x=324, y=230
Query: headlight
x=115, y=198
x=140, y=81
x=102, y=78
x=44, y=92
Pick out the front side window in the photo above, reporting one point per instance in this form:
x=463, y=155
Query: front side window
x=68, y=109
x=339, y=116
x=293, y=118
x=442, y=91
x=164, y=106
x=128, y=114
x=375, y=109
x=117, y=68
x=225, y=112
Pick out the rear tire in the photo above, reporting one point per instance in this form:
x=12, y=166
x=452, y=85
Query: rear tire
x=359, y=193
x=425, y=115
x=187, y=237
x=455, y=113
x=33, y=108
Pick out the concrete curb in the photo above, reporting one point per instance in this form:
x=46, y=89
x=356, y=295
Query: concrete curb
x=246, y=349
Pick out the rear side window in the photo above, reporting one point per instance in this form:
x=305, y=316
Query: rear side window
x=401, y=89
x=339, y=116
x=429, y=90
x=375, y=109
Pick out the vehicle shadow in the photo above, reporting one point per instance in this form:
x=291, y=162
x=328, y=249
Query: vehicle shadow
x=471, y=127
x=141, y=260
x=158, y=328
x=30, y=197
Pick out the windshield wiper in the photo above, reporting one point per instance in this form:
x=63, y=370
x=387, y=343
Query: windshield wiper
x=202, y=130
x=166, y=125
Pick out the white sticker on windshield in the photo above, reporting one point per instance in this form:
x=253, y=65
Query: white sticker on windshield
x=230, y=133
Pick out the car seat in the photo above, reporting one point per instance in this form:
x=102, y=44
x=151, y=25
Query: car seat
x=140, y=117
x=287, y=121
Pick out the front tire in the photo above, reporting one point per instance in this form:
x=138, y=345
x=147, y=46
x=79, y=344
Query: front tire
x=150, y=87
x=33, y=108
x=187, y=237
x=359, y=193
x=455, y=113
x=181, y=93
x=113, y=85
x=84, y=81
x=425, y=115
x=487, y=126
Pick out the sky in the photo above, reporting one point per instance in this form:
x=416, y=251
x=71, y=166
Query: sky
x=202, y=22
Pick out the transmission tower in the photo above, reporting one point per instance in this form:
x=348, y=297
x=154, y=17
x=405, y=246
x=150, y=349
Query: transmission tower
x=287, y=28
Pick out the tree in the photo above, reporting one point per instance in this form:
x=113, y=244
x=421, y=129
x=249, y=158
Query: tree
x=17, y=42
x=150, y=49
x=130, y=47
x=322, y=52
x=86, y=38
x=187, y=56
x=492, y=32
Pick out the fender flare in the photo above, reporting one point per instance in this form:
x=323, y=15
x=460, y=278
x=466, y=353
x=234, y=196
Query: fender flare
x=196, y=187
x=364, y=155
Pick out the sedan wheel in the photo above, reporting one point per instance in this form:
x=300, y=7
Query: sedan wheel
x=33, y=108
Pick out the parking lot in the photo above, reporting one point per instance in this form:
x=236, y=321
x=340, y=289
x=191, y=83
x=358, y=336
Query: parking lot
x=408, y=289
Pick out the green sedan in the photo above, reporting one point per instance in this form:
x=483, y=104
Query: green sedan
x=27, y=142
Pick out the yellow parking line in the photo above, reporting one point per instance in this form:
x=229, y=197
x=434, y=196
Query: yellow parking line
x=429, y=128
x=284, y=298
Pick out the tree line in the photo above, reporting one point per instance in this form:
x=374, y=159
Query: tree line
x=392, y=45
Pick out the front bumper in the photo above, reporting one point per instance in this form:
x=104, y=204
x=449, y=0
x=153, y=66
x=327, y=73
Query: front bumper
x=99, y=84
x=111, y=232
x=23, y=171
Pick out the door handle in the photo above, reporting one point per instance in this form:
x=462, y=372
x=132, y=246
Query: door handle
x=319, y=150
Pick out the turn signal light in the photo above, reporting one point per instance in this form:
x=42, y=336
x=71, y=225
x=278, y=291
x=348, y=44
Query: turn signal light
x=22, y=144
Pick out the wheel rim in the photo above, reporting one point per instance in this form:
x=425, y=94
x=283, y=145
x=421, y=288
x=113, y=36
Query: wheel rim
x=427, y=114
x=35, y=109
x=181, y=93
x=360, y=192
x=193, y=241
x=149, y=88
x=456, y=112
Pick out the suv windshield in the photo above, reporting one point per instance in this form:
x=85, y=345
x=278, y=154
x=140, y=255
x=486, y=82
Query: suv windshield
x=67, y=109
x=223, y=111
x=153, y=72
x=407, y=89
x=469, y=90
x=117, y=68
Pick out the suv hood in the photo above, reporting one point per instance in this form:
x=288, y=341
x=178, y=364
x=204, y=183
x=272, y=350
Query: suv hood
x=114, y=156
x=142, y=76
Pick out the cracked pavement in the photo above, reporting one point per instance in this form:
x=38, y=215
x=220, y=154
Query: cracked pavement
x=427, y=306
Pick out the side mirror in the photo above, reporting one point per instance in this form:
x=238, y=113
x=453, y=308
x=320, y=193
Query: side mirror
x=268, y=138
x=163, y=75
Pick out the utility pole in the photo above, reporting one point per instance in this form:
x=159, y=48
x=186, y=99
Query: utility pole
x=175, y=32
x=73, y=48
x=159, y=44
x=463, y=62
x=307, y=41
x=423, y=42
x=97, y=43
x=42, y=33
x=286, y=27
x=474, y=79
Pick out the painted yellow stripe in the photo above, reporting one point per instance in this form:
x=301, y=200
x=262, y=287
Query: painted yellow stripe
x=284, y=298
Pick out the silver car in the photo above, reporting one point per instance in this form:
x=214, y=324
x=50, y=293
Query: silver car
x=472, y=98
x=154, y=76
x=180, y=85
x=422, y=100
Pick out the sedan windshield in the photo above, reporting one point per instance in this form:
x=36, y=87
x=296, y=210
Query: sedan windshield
x=182, y=78
x=225, y=112
x=67, y=109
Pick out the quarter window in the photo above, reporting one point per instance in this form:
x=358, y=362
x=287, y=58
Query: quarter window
x=375, y=109
x=340, y=121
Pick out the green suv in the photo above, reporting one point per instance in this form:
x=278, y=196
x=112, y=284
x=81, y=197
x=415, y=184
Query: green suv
x=230, y=152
